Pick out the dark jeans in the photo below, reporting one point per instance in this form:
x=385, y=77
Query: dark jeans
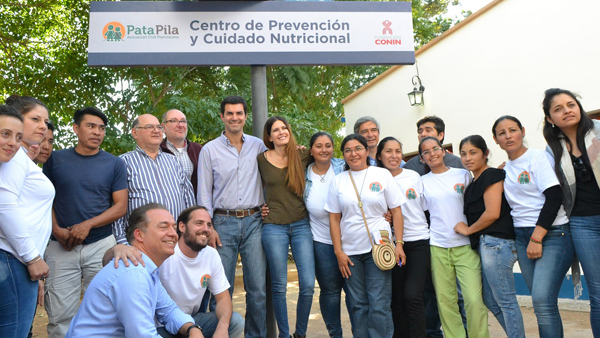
x=408, y=282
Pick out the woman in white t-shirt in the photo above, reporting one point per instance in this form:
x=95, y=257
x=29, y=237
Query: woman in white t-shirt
x=370, y=288
x=26, y=197
x=408, y=309
x=544, y=245
x=451, y=253
x=319, y=176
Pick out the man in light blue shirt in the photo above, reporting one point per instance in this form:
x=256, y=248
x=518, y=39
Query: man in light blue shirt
x=124, y=302
x=230, y=188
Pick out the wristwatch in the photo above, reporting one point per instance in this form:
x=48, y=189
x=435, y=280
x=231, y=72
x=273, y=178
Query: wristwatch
x=193, y=326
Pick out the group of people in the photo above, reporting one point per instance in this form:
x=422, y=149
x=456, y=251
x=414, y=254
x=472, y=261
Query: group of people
x=187, y=212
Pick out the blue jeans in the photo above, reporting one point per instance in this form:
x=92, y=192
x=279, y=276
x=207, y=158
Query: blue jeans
x=371, y=293
x=544, y=276
x=331, y=283
x=498, y=256
x=18, y=297
x=585, y=231
x=277, y=239
x=208, y=321
x=243, y=236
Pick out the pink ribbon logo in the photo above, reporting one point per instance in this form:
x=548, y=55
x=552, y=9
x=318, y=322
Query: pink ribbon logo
x=386, y=27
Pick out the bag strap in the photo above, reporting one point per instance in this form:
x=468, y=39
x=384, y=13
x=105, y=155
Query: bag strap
x=360, y=204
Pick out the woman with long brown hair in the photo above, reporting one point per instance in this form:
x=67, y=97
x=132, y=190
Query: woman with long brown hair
x=282, y=169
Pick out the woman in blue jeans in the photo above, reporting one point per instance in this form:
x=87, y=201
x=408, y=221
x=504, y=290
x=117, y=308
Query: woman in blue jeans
x=374, y=190
x=282, y=170
x=544, y=245
x=573, y=139
x=491, y=231
x=318, y=178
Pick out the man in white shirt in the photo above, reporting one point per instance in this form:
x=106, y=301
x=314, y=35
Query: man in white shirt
x=191, y=270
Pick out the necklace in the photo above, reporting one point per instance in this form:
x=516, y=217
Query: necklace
x=321, y=176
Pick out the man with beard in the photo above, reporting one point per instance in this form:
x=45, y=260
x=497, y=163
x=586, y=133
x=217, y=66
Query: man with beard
x=190, y=271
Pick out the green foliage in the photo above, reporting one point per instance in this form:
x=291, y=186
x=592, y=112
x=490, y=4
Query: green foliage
x=44, y=55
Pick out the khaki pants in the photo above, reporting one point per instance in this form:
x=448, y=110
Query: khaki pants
x=70, y=273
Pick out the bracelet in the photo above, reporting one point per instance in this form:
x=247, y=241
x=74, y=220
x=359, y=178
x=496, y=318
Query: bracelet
x=38, y=258
x=535, y=240
x=401, y=242
x=192, y=327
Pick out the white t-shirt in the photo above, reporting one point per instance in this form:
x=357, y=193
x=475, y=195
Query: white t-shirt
x=444, y=197
x=315, y=204
x=526, y=179
x=379, y=192
x=186, y=279
x=415, y=222
x=26, y=196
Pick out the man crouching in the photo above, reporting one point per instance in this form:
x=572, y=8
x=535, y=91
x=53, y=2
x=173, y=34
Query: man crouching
x=124, y=302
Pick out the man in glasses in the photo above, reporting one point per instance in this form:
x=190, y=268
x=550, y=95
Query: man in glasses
x=176, y=143
x=153, y=175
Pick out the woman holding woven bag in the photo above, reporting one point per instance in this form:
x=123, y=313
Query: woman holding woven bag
x=574, y=140
x=358, y=198
x=451, y=253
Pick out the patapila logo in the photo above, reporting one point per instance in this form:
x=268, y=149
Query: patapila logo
x=113, y=31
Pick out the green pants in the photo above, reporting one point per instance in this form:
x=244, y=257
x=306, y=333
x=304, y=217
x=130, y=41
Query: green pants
x=446, y=265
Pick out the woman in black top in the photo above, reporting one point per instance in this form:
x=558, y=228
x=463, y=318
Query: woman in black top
x=491, y=231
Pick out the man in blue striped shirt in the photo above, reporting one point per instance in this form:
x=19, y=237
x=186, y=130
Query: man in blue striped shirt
x=153, y=176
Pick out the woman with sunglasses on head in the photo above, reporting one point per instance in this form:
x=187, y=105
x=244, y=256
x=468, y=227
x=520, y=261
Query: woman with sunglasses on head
x=26, y=197
x=319, y=176
x=408, y=309
x=451, y=253
x=544, y=245
x=491, y=231
x=574, y=141
x=282, y=169
x=362, y=194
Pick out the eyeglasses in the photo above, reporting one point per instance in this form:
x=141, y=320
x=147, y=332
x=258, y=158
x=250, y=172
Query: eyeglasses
x=433, y=150
x=580, y=169
x=151, y=127
x=184, y=122
x=349, y=151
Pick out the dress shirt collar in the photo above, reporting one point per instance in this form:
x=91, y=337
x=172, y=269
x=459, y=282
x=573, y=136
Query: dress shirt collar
x=171, y=145
x=142, y=151
x=225, y=140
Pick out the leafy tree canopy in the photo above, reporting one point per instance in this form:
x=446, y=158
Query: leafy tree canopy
x=44, y=55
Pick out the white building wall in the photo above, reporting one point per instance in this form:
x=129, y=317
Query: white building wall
x=499, y=63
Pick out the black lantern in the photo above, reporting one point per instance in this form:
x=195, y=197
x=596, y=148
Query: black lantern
x=416, y=96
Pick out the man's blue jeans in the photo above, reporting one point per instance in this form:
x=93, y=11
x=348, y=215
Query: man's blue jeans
x=243, y=236
x=544, y=276
x=18, y=297
x=371, y=293
x=498, y=256
x=331, y=283
x=585, y=231
x=208, y=321
x=277, y=239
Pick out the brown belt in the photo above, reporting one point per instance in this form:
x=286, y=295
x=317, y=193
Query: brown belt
x=239, y=213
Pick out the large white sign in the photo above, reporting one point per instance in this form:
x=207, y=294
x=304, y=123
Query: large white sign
x=250, y=33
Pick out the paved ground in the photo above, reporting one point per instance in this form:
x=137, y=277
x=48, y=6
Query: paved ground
x=576, y=324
